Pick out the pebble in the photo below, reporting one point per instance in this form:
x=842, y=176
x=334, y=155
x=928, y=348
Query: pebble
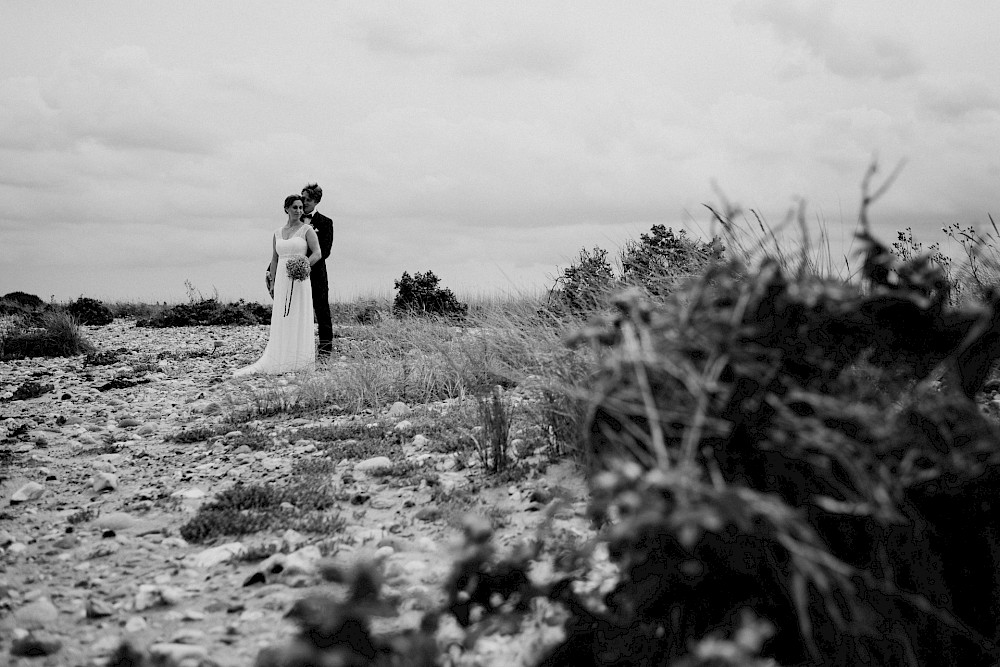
x=177, y=655
x=373, y=464
x=135, y=624
x=36, y=615
x=30, y=491
x=35, y=645
x=190, y=494
x=399, y=409
x=213, y=556
x=105, y=481
x=96, y=608
x=150, y=596
x=114, y=521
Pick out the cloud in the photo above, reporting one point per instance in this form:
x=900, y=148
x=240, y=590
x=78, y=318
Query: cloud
x=959, y=98
x=471, y=39
x=850, y=51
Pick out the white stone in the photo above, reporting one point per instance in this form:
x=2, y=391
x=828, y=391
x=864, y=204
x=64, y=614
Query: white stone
x=399, y=409
x=30, y=491
x=223, y=553
x=193, y=493
x=36, y=615
x=105, y=481
x=292, y=540
x=177, y=655
x=373, y=464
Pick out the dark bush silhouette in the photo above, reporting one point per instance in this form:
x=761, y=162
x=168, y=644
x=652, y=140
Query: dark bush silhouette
x=90, y=311
x=662, y=259
x=208, y=312
x=584, y=285
x=658, y=263
x=420, y=295
x=23, y=299
x=782, y=447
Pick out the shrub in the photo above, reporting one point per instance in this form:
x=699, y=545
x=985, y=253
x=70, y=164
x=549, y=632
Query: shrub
x=19, y=303
x=657, y=263
x=23, y=299
x=90, y=311
x=779, y=447
x=420, y=295
x=57, y=335
x=660, y=259
x=208, y=312
x=584, y=285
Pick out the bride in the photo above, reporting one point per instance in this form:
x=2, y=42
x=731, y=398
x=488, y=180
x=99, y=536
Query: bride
x=290, y=344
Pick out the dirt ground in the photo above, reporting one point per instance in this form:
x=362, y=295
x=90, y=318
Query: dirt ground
x=96, y=486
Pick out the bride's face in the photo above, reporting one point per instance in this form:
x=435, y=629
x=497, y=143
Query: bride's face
x=295, y=210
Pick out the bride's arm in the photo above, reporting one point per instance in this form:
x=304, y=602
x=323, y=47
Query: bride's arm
x=273, y=267
x=314, y=252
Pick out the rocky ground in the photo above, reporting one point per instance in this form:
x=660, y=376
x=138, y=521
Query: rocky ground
x=96, y=484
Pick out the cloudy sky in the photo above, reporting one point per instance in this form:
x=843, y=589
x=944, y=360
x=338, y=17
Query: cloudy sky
x=145, y=144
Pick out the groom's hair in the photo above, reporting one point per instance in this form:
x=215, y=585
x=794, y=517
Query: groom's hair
x=290, y=198
x=314, y=191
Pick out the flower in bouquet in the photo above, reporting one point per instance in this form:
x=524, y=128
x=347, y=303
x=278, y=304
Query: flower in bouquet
x=298, y=269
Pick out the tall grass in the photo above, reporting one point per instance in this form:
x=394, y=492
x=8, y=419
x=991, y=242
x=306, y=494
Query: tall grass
x=52, y=333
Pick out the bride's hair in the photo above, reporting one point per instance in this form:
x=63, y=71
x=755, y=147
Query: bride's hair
x=314, y=191
x=290, y=198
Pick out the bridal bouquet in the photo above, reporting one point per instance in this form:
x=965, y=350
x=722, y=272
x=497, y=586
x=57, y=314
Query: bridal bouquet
x=298, y=269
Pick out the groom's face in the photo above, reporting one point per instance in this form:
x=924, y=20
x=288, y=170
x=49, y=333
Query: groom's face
x=309, y=203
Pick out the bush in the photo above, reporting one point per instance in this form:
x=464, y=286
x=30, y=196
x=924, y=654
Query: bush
x=776, y=444
x=657, y=263
x=19, y=303
x=584, y=285
x=420, y=295
x=90, y=311
x=208, y=312
x=661, y=259
x=23, y=299
x=57, y=335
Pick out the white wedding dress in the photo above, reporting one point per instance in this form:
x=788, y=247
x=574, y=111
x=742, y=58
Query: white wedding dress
x=290, y=345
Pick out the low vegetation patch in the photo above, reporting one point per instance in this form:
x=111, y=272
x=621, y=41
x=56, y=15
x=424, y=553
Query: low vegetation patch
x=51, y=334
x=305, y=503
x=90, y=312
x=208, y=312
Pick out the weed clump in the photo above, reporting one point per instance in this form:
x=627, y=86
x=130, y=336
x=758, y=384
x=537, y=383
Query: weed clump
x=30, y=389
x=55, y=334
x=243, y=509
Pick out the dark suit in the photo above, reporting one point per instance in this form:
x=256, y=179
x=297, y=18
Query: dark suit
x=320, y=283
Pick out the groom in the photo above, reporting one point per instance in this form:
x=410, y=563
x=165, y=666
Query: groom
x=311, y=196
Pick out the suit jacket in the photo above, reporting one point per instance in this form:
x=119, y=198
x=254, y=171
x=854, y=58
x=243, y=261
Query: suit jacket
x=324, y=232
